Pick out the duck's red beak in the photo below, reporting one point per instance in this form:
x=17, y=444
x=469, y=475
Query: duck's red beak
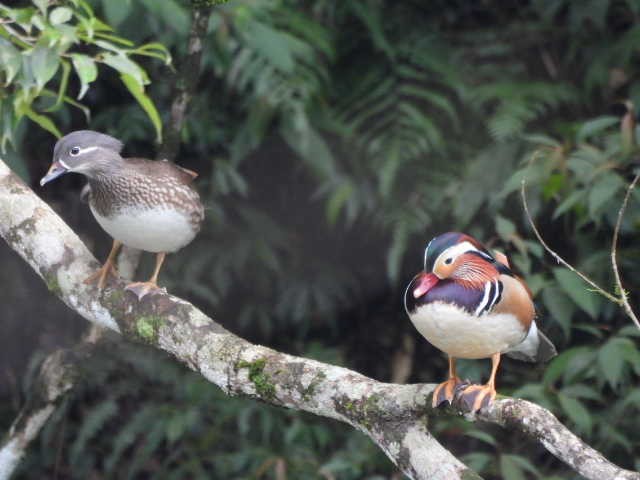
x=423, y=283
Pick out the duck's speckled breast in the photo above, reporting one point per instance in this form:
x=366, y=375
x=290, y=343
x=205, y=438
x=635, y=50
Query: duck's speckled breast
x=155, y=214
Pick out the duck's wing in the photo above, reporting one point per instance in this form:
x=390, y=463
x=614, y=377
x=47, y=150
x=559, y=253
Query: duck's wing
x=162, y=168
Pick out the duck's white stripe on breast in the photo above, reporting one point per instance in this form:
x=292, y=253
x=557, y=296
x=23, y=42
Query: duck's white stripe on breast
x=496, y=293
x=492, y=295
x=485, y=298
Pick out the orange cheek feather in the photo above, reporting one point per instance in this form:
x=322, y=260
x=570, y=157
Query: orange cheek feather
x=472, y=271
x=442, y=270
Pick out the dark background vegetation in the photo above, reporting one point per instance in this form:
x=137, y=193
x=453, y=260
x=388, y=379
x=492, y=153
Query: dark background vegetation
x=333, y=139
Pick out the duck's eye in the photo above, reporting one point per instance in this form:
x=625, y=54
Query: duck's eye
x=74, y=151
x=448, y=261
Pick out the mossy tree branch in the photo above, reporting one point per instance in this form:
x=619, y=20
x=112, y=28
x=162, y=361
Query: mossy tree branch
x=395, y=417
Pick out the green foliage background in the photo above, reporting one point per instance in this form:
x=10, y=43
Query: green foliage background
x=334, y=138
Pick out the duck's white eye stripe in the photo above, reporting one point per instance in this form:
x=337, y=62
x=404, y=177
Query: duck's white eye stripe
x=86, y=150
x=458, y=249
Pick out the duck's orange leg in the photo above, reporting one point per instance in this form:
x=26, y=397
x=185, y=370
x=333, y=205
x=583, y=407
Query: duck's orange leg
x=107, y=269
x=144, y=288
x=446, y=390
x=475, y=397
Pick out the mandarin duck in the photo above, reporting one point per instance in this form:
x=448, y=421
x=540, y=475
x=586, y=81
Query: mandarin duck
x=144, y=204
x=469, y=304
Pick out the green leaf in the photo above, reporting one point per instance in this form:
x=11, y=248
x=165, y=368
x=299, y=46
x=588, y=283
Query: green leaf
x=396, y=251
x=86, y=70
x=17, y=164
x=611, y=359
x=560, y=364
x=574, y=198
x=576, y=411
x=273, y=45
x=510, y=469
x=10, y=59
x=171, y=12
x=582, y=391
x=154, y=49
x=611, y=362
x=310, y=145
x=539, y=139
x=337, y=200
x=70, y=101
x=42, y=5
x=116, y=11
x=42, y=120
x=477, y=461
x=145, y=102
x=126, y=66
x=630, y=353
x=629, y=331
x=505, y=228
x=482, y=436
x=91, y=424
x=44, y=64
x=60, y=15
x=66, y=68
x=524, y=464
x=114, y=39
x=595, y=126
x=604, y=189
x=560, y=307
x=578, y=291
x=111, y=46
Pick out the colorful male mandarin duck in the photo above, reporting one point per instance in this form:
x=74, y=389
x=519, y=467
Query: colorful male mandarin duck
x=469, y=304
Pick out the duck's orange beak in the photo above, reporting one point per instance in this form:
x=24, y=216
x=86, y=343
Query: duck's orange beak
x=423, y=283
x=54, y=172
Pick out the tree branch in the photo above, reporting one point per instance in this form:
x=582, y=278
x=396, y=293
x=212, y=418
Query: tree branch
x=56, y=377
x=185, y=81
x=624, y=297
x=395, y=417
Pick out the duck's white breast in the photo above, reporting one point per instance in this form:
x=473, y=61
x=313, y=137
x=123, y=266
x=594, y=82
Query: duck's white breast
x=463, y=335
x=153, y=230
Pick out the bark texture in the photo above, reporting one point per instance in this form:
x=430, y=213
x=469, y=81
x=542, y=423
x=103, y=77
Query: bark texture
x=186, y=80
x=395, y=417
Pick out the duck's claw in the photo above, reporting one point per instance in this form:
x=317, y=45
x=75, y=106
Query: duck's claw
x=476, y=397
x=101, y=275
x=142, y=289
x=446, y=391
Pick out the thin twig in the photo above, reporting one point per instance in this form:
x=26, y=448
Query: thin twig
x=624, y=300
x=558, y=258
